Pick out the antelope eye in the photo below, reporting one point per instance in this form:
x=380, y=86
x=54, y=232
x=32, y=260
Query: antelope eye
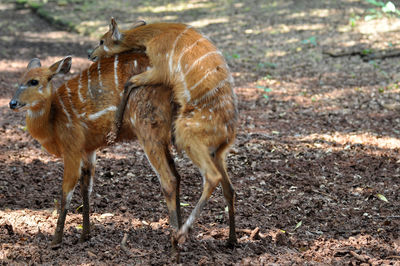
x=101, y=42
x=33, y=82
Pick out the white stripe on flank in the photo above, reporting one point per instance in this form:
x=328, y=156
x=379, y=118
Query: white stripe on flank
x=79, y=88
x=188, y=49
x=135, y=63
x=99, y=72
x=116, y=71
x=70, y=100
x=203, y=78
x=211, y=93
x=89, y=92
x=102, y=112
x=65, y=111
x=173, y=48
x=133, y=120
x=200, y=59
x=186, y=92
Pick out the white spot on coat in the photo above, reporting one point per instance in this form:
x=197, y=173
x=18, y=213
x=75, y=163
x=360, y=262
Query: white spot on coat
x=102, y=112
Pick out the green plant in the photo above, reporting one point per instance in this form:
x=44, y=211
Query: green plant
x=387, y=8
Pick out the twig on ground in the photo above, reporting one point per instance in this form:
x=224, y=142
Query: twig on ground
x=359, y=257
x=254, y=233
x=126, y=249
x=382, y=54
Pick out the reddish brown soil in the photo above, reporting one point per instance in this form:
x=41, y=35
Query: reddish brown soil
x=308, y=172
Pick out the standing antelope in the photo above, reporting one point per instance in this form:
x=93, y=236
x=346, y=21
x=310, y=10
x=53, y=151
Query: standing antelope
x=73, y=121
x=205, y=128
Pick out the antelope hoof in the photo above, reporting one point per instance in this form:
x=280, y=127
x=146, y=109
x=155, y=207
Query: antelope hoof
x=231, y=243
x=55, y=244
x=84, y=238
x=180, y=238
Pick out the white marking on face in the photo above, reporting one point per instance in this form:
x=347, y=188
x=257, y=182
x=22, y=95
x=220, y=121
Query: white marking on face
x=106, y=48
x=40, y=89
x=48, y=88
x=32, y=104
x=116, y=71
x=35, y=114
x=102, y=112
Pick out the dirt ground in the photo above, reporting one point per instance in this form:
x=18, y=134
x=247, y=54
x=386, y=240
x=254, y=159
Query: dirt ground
x=316, y=163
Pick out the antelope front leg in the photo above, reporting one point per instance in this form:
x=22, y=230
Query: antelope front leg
x=70, y=178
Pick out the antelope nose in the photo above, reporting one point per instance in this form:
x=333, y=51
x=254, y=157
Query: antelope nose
x=13, y=104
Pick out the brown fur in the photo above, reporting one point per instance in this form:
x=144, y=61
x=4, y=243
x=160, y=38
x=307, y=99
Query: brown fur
x=186, y=61
x=76, y=137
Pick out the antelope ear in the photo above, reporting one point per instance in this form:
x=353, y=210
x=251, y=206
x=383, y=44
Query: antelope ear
x=138, y=24
x=34, y=63
x=61, y=67
x=116, y=34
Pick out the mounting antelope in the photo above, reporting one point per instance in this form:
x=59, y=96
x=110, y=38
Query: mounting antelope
x=73, y=120
x=183, y=59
